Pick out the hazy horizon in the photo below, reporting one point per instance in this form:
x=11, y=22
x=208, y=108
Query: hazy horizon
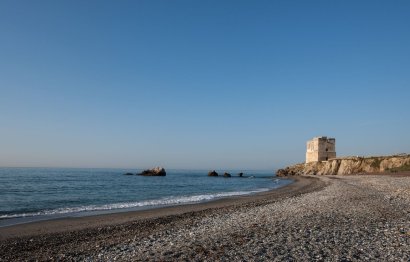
x=200, y=85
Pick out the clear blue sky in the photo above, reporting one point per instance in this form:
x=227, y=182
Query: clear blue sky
x=200, y=84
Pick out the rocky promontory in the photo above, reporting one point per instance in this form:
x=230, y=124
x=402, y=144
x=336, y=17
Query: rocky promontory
x=349, y=166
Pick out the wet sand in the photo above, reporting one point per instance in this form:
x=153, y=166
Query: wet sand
x=316, y=218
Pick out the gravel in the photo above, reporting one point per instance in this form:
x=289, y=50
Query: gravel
x=352, y=218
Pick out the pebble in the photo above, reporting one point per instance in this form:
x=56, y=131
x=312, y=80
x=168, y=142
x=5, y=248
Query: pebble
x=354, y=218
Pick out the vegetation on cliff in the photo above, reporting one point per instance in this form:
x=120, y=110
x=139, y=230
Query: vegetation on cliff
x=349, y=166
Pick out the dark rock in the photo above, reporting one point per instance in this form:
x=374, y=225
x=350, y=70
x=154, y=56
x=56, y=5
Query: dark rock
x=157, y=171
x=212, y=173
x=227, y=174
x=289, y=171
x=282, y=172
x=240, y=174
x=128, y=174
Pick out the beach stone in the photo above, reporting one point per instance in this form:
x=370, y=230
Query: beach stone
x=157, y=171
x=212, y=173
x=226, y=174
x=352, y=218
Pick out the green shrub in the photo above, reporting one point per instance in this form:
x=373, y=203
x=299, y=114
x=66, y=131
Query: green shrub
x=405, y=167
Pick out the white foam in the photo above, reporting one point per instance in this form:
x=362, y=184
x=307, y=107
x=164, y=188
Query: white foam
x=167, y=201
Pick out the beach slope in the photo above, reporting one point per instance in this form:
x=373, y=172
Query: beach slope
x=317, y=218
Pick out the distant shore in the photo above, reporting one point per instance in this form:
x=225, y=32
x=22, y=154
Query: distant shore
x=336, y=218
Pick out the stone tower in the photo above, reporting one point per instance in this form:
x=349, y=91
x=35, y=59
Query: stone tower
x=320, y=149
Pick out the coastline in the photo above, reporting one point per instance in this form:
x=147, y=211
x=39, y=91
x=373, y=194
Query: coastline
x=136, y=210
x=61, y=193
x=333, y=218
x=65, y=224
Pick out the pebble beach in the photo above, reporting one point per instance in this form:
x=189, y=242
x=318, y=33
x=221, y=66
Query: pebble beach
x=317, y=218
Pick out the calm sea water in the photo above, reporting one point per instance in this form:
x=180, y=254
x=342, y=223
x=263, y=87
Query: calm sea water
x=30, y=194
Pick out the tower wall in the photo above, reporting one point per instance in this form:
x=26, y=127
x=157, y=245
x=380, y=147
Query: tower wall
x=320, y=149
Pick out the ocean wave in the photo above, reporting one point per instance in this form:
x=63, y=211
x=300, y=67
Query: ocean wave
x=167, y=201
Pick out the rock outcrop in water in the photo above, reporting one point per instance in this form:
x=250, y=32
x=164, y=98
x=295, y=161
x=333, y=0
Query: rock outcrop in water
x=128, y=174
x=226, y=174
x=349, y=166
x=157, y=171
x=212, y=173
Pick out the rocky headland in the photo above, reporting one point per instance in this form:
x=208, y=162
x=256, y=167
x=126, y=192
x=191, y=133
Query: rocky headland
x=350, y=166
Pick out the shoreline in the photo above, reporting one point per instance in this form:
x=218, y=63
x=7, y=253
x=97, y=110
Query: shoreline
x=330, y=218
x=77, y=195
x=21, y=220
x=74, y=223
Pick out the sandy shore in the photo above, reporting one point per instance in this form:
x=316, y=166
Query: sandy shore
x=352, y=218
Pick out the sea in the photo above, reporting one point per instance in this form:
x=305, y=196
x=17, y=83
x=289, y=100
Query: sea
x=34, y=194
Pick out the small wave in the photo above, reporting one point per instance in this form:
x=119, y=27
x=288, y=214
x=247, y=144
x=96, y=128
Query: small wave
x=167, y=201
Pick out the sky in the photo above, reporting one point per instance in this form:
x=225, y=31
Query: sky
x=200, y=84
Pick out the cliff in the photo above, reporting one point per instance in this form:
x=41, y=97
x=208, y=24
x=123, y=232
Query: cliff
x=349, y=166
